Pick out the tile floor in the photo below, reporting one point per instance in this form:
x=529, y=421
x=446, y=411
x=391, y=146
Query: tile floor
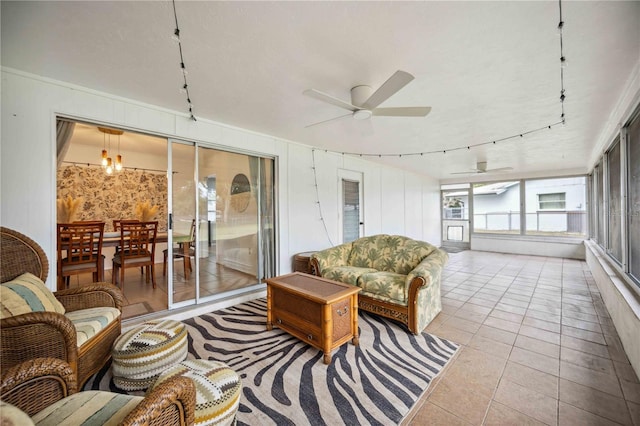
x=141, y=298
x=538, y=347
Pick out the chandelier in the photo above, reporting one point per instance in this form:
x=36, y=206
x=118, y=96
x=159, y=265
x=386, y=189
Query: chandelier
x=107, y=162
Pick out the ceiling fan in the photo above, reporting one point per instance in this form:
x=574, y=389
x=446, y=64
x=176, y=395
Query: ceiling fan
x=364, y=102
x=481, y=167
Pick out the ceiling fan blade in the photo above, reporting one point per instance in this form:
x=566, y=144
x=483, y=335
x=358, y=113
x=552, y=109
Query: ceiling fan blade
x=469, y=172
x=396, y=82
x=326, y=121
x=501, y=169
x=402, y=111
x=313, y=93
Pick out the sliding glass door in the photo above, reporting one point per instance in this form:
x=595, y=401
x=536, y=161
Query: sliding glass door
x=222, y=231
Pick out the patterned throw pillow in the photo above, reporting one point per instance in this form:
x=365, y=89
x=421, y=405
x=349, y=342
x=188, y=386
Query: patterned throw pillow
x=27, y=293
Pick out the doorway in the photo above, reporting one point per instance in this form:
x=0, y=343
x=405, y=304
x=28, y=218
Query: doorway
x=456, y=207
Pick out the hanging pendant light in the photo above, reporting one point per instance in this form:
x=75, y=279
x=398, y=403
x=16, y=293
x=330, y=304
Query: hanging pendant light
x=107, y=162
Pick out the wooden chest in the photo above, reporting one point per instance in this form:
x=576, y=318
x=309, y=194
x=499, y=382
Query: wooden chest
x=318, y=311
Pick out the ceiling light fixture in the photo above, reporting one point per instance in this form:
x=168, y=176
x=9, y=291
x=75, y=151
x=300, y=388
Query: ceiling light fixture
x=107, y=162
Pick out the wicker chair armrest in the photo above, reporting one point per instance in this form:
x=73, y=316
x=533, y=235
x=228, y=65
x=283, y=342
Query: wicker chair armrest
x=37, y=383
x=38, y=335
x=177, y=392
x=96, y=295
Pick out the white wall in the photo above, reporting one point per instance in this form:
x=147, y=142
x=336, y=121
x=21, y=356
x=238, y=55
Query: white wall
x=394, y=201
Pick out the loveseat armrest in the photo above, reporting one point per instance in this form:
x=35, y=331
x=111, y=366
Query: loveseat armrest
x=333, y=256
x=430, y=268
x=37, y=383
x=96, y=295
x=171, y=402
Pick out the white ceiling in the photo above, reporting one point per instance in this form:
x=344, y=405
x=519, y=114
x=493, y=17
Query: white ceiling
x=489, y=70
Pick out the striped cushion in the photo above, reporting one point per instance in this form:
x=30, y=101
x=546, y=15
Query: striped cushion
x=27, y=293
x=89, y=408
x=218, y=390
x=13, y=416
x=142, y=353
x=89, y=322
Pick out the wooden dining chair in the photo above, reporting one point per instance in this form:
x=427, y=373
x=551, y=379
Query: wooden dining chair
x=184, y=250
x=80, y=251
x=137, y=249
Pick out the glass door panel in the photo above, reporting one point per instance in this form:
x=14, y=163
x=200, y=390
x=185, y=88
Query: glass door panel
x=235, y=232
x=455, y=218
x=181, y=253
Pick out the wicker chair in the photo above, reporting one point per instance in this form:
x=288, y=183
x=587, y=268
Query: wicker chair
x=34, y=385
x=50, y=334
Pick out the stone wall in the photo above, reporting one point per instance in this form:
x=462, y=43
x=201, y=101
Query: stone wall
x=108, y=197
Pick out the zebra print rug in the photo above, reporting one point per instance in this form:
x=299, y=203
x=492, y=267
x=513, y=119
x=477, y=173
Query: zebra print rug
x=285, y=381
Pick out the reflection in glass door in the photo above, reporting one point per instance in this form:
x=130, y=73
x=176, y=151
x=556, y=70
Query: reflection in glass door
x=235, y=232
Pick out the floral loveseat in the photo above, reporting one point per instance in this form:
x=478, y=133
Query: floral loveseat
x=399, y=277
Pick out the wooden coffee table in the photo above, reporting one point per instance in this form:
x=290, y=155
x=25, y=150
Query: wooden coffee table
x=318, y=311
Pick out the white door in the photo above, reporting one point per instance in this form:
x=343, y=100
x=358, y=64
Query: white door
x=351, y=219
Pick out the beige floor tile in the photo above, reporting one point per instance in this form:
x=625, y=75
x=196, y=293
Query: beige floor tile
x=528, y=401
x=462, y=324
x=502, y=324
x=498, y=335
x=501, y=415
x=534, y=360
x=594, y=401
x=476, y=309
x=509, y=316
x=587, y=377
x=510, y=308
x=477, y=368
x=585, y=325
x=544, y=316
x=540, y=334
x=454, y=334
x=535, y=345
x=631, y=391
x=462, y=400
x=584, y=346
x=531, y=378
x=431, y=414
x=625, y=371
x=634, y=411
x=579, y=315
x=573, y=416
x=484, y=344
x=541, y=324
x=616, y=350
x=586, y=360
x=584, y=334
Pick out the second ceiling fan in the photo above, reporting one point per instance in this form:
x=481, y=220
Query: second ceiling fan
x=364, y=103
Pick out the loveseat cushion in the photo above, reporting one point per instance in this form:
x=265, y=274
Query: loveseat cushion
x=89, y=407
x=27, y=293
x=345, y=274
x=391, y=253
x=386, y=286
x=89, y=322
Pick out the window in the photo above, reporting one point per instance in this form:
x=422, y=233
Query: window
x=351, y=210
x=556, y=206
x=633, y=204
x=615, y=202
x=600, y=203
x=496, y=207
x=552, y=201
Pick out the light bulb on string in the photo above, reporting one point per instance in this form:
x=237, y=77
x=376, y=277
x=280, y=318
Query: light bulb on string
x=104, y=151
x=176, y=35
x=109, y=168
x=563, y=62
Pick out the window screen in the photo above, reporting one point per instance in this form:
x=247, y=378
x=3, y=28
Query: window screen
x=351, y=210
x=634, y=198
x=615, y=198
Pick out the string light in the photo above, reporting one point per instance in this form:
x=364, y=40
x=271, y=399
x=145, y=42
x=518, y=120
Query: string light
x=185, y=86
x=315, y=179
x=563, y=62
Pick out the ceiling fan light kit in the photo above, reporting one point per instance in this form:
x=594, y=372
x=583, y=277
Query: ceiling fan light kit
x=364, y=101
